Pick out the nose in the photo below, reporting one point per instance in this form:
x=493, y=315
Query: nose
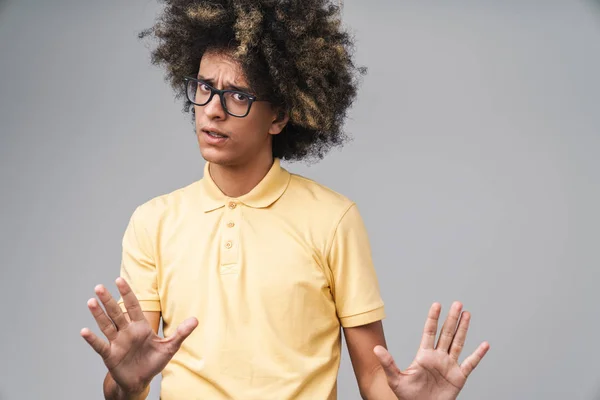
x=214, y=108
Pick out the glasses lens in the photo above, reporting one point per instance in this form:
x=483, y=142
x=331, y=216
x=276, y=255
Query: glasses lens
x=198, y=92
x=237, y=103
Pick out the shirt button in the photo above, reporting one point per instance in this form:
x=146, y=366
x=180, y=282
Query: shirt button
x=228, y=245
x=232, y=205
x=230, y=224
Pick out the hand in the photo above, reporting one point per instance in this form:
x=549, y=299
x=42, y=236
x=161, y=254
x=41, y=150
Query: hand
x=134, y=353
x=435, y=372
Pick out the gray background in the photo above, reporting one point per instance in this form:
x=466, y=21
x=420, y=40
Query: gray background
x=474, y=162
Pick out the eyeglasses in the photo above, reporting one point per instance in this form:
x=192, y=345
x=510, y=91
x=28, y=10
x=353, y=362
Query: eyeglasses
x=234, y=103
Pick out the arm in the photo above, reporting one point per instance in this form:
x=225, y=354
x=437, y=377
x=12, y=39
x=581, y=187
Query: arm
x=370, y=376
x=358, y=302
x=111, y=390
x=133, y=352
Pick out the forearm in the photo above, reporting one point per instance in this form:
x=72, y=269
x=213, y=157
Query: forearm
x=112, y=391
x=378, y=387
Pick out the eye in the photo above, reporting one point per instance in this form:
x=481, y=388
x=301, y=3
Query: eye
x=240, y=97
x=203, y=87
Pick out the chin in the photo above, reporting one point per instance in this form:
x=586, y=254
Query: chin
x=217, y=156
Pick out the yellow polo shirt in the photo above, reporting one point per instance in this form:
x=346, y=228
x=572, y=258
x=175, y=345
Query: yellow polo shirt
x=270, y=276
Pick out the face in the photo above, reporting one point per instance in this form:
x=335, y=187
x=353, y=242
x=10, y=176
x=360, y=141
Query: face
x=224, y=139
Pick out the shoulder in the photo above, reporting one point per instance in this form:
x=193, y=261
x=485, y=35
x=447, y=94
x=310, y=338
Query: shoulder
x=317, y=195
x=162, y=206
x=316, y=205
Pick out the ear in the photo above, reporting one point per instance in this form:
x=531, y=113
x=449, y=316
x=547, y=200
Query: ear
x=279, y=122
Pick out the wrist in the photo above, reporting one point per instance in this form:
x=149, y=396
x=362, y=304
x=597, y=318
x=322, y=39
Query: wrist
x=133, y=395
x=377, y=388
x=113, y=391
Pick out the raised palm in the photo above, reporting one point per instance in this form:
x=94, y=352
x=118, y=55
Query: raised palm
x=134, y=353
x=435, y=372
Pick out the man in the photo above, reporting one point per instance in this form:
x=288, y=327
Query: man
x=252, y=269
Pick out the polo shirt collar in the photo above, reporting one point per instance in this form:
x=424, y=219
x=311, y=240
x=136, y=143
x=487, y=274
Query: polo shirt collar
x=267, y=192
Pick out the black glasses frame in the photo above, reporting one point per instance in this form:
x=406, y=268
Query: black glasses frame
x=195, y=81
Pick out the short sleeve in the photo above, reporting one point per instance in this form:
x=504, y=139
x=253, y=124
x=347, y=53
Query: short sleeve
x=355, y=285
x=137, y=263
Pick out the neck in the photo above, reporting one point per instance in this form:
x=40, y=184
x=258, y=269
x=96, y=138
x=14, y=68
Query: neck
x=236, y=181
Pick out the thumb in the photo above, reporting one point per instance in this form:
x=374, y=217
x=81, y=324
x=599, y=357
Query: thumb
x=387, y=362
x=183, y=331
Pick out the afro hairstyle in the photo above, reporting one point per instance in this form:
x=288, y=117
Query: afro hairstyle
x=294, y=53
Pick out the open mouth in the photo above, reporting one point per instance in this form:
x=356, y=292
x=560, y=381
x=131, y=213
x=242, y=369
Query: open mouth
x=215, y=135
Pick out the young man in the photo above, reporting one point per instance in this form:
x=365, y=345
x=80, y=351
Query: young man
x=253, y=269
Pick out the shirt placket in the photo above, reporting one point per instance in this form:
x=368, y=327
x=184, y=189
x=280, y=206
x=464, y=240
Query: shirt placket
x=230, y=243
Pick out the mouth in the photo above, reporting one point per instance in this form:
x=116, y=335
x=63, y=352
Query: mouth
x=214, y=137
x=214, y=134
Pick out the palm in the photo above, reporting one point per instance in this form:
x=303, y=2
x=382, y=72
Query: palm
x=136, y=350
x=431, y=373
x=435, y=372
x=134, y=353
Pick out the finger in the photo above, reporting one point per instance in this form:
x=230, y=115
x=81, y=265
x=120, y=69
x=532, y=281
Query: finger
x=431, y=326
x=104, y=323
x=112, y=308
x=449, y=327
x=183, y=331
x=473, y=360
x=392, y=372
x=99, y=345
x=461, y=334
x=131, y=302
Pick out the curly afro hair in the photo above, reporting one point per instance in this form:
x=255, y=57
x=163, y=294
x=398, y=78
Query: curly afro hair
x=293, y=53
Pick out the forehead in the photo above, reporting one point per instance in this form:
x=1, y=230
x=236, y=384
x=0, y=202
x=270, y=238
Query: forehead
x=221, y=66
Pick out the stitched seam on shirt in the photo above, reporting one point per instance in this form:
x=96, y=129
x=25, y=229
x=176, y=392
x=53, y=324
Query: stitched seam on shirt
x=379, y=307
x=330, y=246
x=337, y=225
x=149, y=239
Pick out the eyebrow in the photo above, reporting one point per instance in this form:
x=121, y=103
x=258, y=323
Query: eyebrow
x=228, y=86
